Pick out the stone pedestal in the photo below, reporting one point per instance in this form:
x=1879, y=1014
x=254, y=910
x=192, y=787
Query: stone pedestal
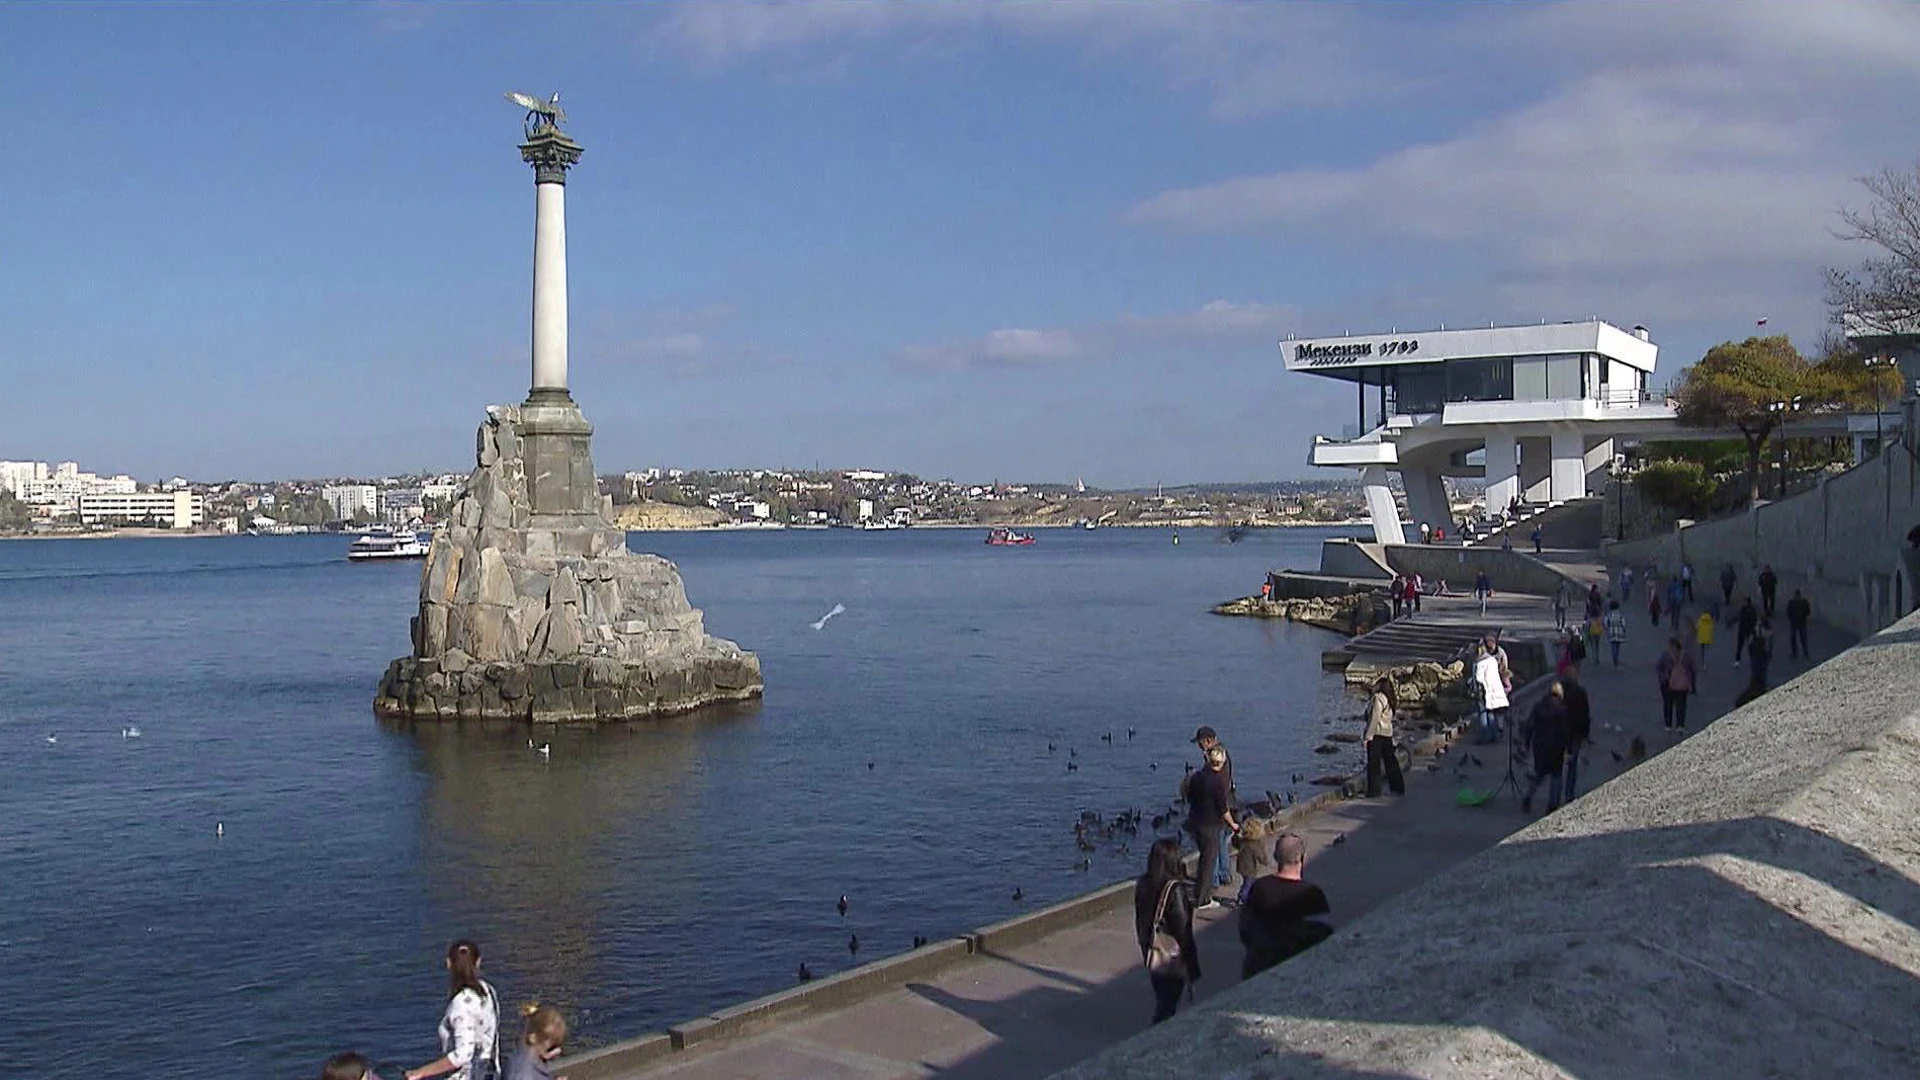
x=532, y=611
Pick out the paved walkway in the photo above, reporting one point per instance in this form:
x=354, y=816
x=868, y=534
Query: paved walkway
x=1041, y=1007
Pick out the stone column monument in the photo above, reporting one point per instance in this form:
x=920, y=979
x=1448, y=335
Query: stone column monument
x=531, y=606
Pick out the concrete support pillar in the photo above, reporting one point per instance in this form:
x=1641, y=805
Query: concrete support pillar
x=1503, y=481
x=1535, y=472
x=1380, y=506
x=1569, y=466
x=1426, y=500
x=1859, y=449
x=1599, y=462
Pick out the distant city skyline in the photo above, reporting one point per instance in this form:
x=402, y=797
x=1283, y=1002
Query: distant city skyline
x=1033, y=242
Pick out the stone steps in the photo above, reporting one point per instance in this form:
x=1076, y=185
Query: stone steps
x=1411, y=639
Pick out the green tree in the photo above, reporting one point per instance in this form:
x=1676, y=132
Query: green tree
x=1680, y=486
x=1737, y=387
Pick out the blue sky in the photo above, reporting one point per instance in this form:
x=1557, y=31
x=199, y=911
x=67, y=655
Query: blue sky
x=1028, y=241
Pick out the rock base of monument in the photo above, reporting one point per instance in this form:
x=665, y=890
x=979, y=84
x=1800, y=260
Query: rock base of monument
x=532, y=608
x=591, y=690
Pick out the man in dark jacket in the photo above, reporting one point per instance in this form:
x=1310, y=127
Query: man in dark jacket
x=1547, y=739
x=1769, y=584
x=1579, y=726
x=1209, y=817
x=1727, y=579
x=1749, y=620
x=1799, y=610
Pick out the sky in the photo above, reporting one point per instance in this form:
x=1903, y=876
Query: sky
x=1031, y=241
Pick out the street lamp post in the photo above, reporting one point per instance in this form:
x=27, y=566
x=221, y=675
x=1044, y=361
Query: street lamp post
x=1784, y=409
x=1873, y=365
x=1620, y=497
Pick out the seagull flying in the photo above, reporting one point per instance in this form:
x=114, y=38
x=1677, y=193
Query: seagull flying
x=130, y=733
x=822, y=624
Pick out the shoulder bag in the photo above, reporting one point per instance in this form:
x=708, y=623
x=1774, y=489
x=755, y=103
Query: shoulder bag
x=1163, y=953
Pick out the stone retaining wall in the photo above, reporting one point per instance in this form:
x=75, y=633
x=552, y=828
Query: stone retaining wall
x=1844, y=542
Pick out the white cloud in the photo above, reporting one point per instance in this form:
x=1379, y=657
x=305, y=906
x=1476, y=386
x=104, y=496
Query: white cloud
x=1247, y=57
x=684, y=346
x=1212, y=323
x=1692, y=163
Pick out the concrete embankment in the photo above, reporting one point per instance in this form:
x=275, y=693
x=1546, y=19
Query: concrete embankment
x=1745, y=904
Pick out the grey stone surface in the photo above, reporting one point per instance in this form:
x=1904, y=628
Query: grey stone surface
x=528, y=589
x=1745, y=904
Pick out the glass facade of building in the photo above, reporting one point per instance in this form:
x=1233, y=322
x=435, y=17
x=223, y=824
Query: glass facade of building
x=1428, y=388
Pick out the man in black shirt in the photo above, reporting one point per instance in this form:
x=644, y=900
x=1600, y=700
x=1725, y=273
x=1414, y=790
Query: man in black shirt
x=1579, y=725
x=1769, y=584
x=1279, y=917
x=1799, y=610
x=1206, y=739
x=1209, y=811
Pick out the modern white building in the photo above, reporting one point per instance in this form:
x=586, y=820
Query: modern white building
x=347, y=501
x=162, y=509
x=1543, y=403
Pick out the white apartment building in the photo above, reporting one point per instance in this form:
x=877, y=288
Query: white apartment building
x=164, y=509
x=16, y=475
x=60, y=487
x=402, y=506
x=346, y=501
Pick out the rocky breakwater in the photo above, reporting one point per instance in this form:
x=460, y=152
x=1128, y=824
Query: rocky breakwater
x=1351, y=614
x=1425, y=687
x=548, y=617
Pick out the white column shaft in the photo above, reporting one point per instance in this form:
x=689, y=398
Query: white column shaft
x=1380, y=506
x=1569, y=466
x=1503, y=483
x=550, y=287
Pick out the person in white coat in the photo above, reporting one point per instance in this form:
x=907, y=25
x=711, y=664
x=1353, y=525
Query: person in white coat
x=1492, y=683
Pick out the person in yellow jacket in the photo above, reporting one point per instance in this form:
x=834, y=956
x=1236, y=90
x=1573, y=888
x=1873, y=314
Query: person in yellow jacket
x=1703, y=633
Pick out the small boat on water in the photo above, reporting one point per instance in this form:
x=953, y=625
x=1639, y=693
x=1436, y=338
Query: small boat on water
x=1007, y=538
x=381, y=543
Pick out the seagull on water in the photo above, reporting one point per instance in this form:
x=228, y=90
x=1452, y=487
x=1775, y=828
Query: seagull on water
x=51, y=739
x=130, y=733
x=545, y=750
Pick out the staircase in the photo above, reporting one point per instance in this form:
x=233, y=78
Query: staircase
x=1413, y=639
x=1572, y=524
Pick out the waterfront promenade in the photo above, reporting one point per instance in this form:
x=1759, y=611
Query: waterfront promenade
x=1033, y=1007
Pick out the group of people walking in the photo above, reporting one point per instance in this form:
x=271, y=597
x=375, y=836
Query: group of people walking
x=469, y=1034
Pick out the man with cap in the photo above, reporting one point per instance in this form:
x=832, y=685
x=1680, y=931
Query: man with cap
x=1209, y=822
x=1207, y=739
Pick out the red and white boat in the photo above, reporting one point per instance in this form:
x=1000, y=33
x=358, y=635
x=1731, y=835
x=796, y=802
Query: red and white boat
x=1007, y=538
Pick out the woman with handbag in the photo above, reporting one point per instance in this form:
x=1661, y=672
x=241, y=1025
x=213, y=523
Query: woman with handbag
x=1163, y=919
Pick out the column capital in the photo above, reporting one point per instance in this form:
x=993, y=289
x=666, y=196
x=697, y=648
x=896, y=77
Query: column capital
x=551, y=153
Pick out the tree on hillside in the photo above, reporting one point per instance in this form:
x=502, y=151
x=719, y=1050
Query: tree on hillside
x=1736, y=385
x=15, y=516
x=1884, y=292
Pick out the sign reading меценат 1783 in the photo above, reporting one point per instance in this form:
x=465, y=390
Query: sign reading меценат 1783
x=1349, y=352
